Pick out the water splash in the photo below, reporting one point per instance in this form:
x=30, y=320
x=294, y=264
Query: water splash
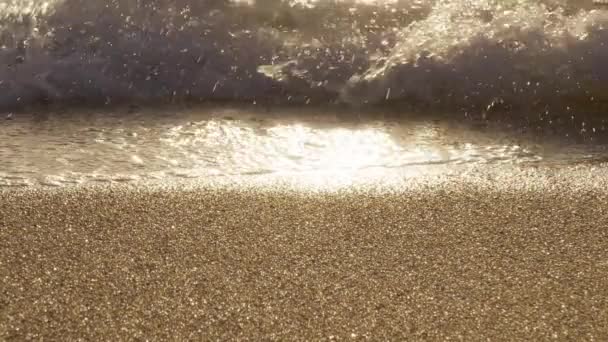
x=475, y=52
x=470, y=54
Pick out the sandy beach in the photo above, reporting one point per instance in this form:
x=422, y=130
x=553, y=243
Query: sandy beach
x=447, y=261
x=303, y=170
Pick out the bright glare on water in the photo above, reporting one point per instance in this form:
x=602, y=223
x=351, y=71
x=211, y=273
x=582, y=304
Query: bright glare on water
x=91, y=148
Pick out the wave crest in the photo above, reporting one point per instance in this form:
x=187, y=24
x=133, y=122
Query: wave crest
x=452, y=54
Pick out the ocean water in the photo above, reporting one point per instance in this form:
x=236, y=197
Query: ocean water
x=471, y=55
x=95, y=91
x=313, y=145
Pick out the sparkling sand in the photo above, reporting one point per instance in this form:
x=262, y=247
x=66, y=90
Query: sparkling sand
x=517, y=257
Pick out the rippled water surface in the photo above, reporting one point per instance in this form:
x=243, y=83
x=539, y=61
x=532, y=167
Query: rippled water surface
x=62, y=149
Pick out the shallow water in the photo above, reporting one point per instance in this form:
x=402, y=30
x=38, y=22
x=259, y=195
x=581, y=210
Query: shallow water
x=61, y=149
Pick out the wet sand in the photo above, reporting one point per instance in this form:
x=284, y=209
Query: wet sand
x=453, y=260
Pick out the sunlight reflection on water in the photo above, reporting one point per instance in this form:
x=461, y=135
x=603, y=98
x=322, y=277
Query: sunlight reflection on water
x=66, y=151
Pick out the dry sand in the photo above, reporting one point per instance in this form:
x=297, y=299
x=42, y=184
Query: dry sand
x=450, y=261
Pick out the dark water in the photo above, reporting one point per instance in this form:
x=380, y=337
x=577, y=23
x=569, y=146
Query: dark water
x=540, y=58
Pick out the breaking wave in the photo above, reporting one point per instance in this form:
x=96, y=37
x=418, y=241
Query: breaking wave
x=459, y=54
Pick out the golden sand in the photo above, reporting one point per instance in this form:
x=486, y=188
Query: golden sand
x=456, y=262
